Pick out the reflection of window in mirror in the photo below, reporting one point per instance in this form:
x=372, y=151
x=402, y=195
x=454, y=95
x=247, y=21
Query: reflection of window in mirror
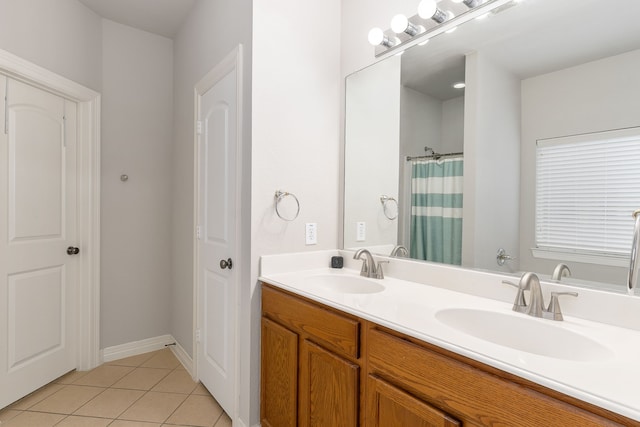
x=586, y=192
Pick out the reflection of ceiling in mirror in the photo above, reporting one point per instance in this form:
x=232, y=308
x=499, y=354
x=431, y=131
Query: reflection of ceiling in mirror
x=533, y=38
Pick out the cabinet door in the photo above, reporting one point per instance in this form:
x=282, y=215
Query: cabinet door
x=279, y=385
x=329, y=391
x=391, y=407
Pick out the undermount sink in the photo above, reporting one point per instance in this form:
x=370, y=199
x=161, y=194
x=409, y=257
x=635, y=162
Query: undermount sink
x=519, y=332
x=345, y=284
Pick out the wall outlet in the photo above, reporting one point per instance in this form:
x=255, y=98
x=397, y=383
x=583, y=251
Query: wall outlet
x=361, y=231
x=311, y=233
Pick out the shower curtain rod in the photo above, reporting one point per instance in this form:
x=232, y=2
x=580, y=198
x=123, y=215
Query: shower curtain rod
x=435, y=156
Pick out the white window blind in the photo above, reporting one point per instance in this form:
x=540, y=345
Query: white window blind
x=587, y=187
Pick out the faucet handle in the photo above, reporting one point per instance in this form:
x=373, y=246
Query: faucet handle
x=554, y=306
x=379, y=272
x=519, y=304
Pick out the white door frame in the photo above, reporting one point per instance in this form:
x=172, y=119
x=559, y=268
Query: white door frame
x=231, y=63
x=88, y=190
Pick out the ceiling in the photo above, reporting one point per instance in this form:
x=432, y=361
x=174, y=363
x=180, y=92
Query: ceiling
x=163, y=17
x=533, y=38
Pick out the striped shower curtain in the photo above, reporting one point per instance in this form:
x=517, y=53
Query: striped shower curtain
x=436, y=210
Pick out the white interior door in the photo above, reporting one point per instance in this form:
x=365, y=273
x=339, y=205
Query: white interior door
x=216, y=244
x=37, y=226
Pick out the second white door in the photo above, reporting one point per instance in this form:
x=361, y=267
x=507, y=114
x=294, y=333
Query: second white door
x=217, y=235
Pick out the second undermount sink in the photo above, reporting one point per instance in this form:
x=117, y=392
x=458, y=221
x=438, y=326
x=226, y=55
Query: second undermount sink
x=345, y=284
x=541, y=337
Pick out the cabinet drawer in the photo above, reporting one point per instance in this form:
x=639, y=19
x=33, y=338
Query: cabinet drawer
x=471, y=395
x=326, y=327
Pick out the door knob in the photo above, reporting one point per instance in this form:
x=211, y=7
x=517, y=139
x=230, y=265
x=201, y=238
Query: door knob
x=72, y=250
x=226, y=263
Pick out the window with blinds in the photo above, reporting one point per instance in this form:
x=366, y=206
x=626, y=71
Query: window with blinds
x=587, y=187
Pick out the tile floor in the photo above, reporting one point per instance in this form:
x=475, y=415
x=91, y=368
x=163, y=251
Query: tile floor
x=148, y=390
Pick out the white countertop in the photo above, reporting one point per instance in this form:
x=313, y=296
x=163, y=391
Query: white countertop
x=410, y=307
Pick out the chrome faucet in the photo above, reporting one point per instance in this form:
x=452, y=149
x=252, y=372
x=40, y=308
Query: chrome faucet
x=530, y=282
x=369, y=268
x=561, y=270
x=632, y=279
x=399, y=251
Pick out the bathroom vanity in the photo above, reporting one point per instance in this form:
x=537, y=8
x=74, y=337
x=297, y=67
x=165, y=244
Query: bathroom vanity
x=355, y=356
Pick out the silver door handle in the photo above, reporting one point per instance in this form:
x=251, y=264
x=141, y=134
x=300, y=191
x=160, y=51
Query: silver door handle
x=226, y=263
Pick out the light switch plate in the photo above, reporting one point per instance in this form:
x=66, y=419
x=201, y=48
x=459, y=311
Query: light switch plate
x=361, y=231
x=311, y=233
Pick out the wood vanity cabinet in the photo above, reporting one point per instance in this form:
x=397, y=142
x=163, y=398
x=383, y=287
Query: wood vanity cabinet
x=310, y=363
x=325, y=368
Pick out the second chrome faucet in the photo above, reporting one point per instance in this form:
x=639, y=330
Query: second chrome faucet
x=530, y=282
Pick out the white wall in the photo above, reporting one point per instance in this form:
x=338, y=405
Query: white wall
x=491, y=169
x=421, y=121
x=452, y=125
x=63, y=36
x=373, y=132
x=212, y=30
x=137, y=113
x=295, y=135
x=592, y=97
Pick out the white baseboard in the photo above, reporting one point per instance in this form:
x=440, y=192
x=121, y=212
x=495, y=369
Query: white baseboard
x=183, y=357
x=136, y=347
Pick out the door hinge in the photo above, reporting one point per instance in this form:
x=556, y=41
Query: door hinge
x=199, y=127
x=198, y=336
x=199, y=232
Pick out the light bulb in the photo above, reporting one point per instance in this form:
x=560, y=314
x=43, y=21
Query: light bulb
x=376, y=36
x=427, y=8
x=459, y=85
x=399, y=24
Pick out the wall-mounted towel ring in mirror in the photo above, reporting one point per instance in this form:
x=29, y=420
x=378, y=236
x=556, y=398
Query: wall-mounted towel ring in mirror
x=389, y=207
x=280, y=196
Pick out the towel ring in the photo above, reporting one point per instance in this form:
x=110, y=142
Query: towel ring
x=386, y=199
x=281, y=195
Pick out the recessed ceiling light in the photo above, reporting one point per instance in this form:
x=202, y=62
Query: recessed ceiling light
x=459, y=85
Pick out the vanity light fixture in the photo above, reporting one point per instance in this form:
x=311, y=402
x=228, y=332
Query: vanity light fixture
x=427, y=9
x=377, y=37
x=401, y=24
x=434, y=17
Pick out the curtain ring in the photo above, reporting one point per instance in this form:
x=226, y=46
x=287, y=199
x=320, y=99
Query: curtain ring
x=386, y=199
x=281, y=195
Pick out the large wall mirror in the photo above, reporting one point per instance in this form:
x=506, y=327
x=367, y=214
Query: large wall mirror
x=425, y=158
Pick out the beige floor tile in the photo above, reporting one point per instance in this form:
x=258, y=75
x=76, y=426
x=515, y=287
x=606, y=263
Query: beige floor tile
x=178, y=381
x=111, y=403
x=124, y=423
x=133, y=361
x=153, y=407
x=75, y=421
x=7, y=413
x=103, y=376
x=37, y=396
x=201, y=390
x=197, y=411
x=67, y=400
x=142, y=378
x=71, y=377
x=34, y=419
x=223, y=421
x=162, y=359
